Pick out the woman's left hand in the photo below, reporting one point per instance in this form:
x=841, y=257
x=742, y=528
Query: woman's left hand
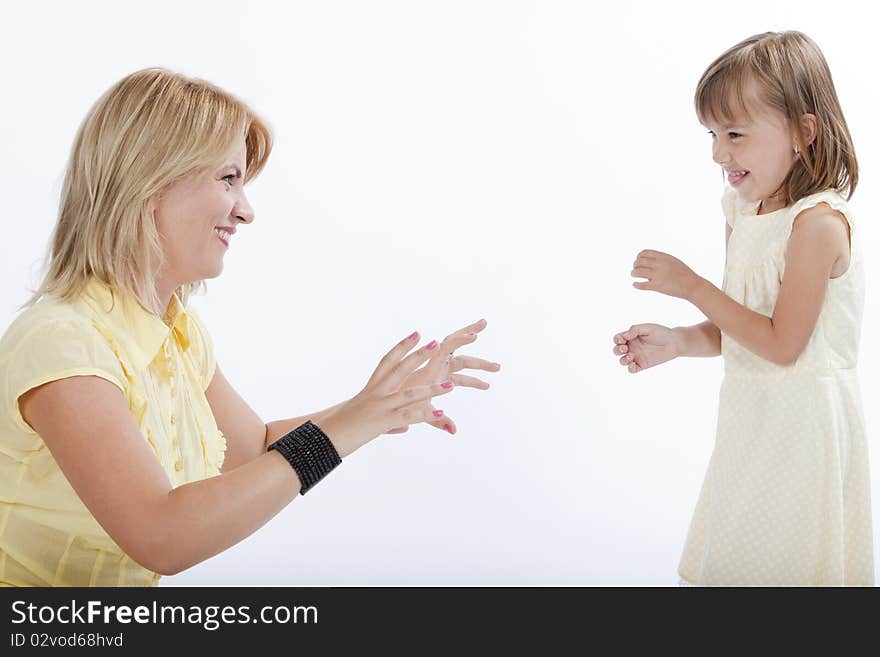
x=665, y=274
x=444, y=365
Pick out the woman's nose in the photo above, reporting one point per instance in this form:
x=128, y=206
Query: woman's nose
x=243, y=210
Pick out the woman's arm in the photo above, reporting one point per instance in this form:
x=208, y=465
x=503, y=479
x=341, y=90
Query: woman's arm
x=247, y=436
x=86, y=423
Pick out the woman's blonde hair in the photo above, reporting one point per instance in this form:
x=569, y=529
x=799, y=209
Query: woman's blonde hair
x=148, y=130
x=789, y=74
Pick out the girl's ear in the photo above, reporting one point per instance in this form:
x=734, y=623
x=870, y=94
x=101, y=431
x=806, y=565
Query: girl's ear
x=809, y=127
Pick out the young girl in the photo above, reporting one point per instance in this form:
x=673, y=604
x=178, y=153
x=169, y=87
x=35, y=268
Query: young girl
x=786, y=498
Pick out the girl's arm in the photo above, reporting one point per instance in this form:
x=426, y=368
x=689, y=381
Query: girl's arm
x=704, y=339
x=646, y=345
x=818, y=236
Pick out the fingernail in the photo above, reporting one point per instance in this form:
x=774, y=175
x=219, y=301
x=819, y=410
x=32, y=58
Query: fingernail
x=448, y=428
x=439, y=413
x=446, y=385
x=431, y=345
x=413, y=336
x=470, y=335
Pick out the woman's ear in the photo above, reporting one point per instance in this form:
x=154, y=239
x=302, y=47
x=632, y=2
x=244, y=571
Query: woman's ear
x=809, y=127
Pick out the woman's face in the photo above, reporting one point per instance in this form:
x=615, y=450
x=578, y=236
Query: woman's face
x=196, y=217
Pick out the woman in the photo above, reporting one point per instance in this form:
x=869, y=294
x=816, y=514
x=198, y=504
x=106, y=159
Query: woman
x=125, y=454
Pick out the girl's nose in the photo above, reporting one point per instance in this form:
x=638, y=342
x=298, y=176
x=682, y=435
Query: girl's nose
x=719, y=153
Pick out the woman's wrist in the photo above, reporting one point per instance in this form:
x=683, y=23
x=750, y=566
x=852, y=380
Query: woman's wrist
x=337, y=432
x=309, y=452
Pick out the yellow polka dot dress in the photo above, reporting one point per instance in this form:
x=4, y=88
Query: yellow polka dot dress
x=786, y=498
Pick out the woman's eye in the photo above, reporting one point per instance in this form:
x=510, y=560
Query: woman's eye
x=230, y=178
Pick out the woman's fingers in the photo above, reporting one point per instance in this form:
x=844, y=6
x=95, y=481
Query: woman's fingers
x=445, y=351
x=398, y=373
x=444, y=424
x=398, y=430
x=447, y=348
x=469, y=381
x=452, y=343
x=472, y=363
x=408, y=398
x=439, y=420
x=393, y=357
x=476, y=327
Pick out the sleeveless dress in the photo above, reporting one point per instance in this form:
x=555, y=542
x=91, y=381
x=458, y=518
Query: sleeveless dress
x=786, y=497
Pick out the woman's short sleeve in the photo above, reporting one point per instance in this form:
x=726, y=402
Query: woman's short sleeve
x=56, y=349
x=200, y=340
x=729, y=205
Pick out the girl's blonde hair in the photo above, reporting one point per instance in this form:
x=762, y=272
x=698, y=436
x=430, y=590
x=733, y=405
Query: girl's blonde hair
x=148, y=130
x=789, y=74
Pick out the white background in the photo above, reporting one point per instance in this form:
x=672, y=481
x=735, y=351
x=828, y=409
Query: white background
x=436, y=163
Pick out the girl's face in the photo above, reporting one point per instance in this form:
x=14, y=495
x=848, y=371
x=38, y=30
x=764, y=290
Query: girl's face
x=196, y=217
x=756, y=155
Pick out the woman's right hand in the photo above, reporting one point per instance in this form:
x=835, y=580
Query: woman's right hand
x=381, y=405
x=645, y=345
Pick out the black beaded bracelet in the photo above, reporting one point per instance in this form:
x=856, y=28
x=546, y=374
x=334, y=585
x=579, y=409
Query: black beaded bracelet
x=309, y=452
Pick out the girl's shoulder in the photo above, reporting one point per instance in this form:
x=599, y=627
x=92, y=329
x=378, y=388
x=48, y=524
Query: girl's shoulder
x=827, y=217
x=821, y=202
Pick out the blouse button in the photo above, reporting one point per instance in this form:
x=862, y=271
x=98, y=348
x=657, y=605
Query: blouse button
x=178, y=466
x=172, y=418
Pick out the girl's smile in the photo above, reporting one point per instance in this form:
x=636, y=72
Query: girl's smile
x=736, y=177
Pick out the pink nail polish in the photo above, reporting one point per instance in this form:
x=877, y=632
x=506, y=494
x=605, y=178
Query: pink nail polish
x=448, y=428
x=446, y=385
x=414, y=335
x=431, y=345
x=439, y=413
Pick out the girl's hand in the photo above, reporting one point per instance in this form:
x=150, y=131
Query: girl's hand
x=385, y=402
x=665, y=274
x=645, y=345
x=443, y=366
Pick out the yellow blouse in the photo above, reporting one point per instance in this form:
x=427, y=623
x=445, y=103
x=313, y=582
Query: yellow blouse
x=47, y=535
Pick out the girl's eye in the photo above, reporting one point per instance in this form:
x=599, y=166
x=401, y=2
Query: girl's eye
x=734, y=135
